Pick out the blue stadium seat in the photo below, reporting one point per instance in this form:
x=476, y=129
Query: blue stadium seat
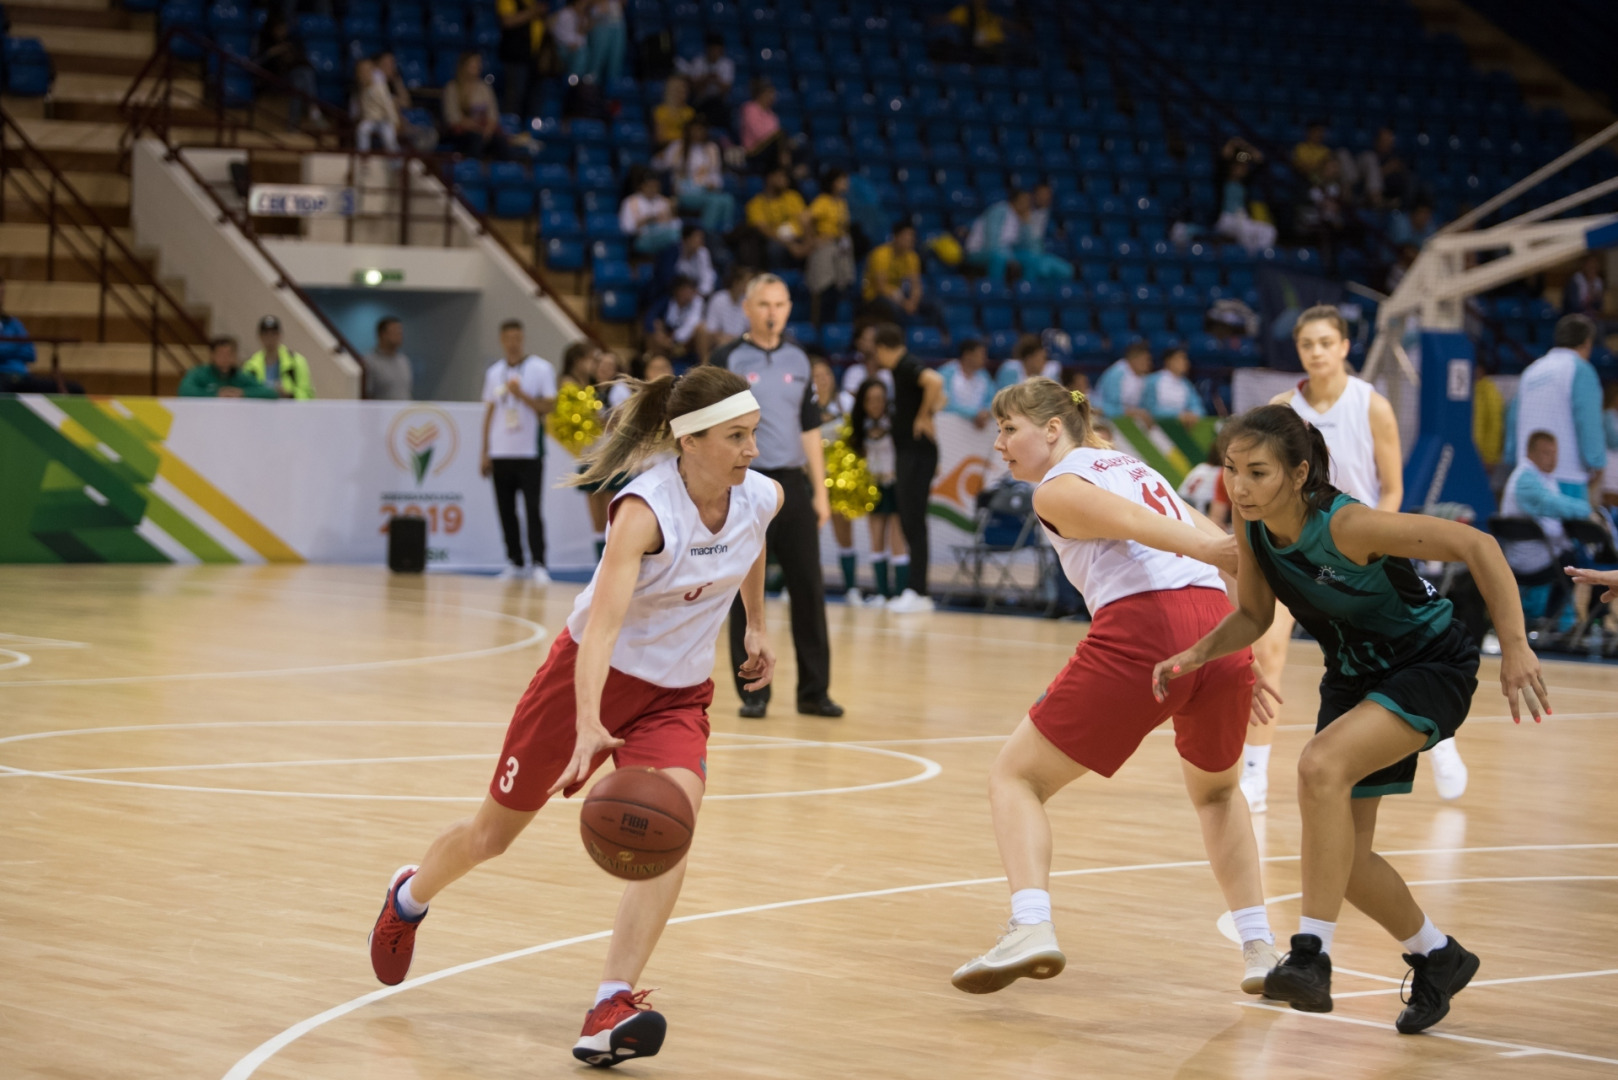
x=925, y=341
x=617, y=305
x=612, y=274
x=804, y=333
x=837, y=338
x=1114, y=322
x=1003, y=342
x=562, y=254
x=563, y=223
x=27, y=67
x=602, y=225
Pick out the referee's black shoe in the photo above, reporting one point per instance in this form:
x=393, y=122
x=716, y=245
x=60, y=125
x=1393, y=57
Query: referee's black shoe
x=1434, y=979
x=823, y=707
x=1303, y=977
x=753, y=709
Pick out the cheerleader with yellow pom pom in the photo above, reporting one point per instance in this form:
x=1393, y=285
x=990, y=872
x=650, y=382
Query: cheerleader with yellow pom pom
x=580, y=419
x=870, y=440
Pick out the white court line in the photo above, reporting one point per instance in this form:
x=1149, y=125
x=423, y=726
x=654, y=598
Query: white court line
x=1496, y=982
x=18, y=659
x=249, y=1064
x=1515, y=1049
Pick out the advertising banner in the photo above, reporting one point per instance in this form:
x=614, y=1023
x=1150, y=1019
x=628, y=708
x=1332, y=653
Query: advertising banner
x=215, y=481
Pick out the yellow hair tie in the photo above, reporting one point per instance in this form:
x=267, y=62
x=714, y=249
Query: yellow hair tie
x=1078, y=397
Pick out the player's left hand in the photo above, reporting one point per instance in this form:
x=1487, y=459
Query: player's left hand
x=1264, y=710
x=760, y=665
x=1519, y=673
x=1173, y=668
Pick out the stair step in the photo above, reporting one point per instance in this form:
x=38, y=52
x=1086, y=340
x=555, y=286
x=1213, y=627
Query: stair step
x=24, y=255
x=78, y=41
x=25, y=18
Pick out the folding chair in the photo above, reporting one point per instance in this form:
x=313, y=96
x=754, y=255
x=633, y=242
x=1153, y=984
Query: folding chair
x=1004, y=528
x=1526, y=531
x=1598, y=555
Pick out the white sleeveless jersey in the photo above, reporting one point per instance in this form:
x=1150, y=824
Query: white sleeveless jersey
x=1108, y=570
x=1347, y=429
x=684, y=591
x=1545, y=403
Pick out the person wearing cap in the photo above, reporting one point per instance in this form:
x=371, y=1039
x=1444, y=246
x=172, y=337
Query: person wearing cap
x=790, y=453
x=277, y=366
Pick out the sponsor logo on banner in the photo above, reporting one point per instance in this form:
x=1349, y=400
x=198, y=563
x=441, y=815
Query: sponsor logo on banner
x=299, y=200
x=424, y=441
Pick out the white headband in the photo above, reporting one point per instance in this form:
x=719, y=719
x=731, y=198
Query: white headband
x=713, y=415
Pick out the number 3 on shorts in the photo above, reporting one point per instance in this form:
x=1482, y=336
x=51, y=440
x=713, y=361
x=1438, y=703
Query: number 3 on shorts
x=510, y=778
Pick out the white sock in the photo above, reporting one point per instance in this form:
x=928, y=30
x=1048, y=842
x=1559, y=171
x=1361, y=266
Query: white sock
x=1321, y=930
x=844, y=552
x=1257, y=758
x=408, y=905
x=1427, y=939
x=609, y=988
x=901, y=560
x=1253, y=924
x=1029, y=906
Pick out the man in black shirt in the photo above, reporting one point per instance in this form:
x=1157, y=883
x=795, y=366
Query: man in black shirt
x=790, y=453
x=918, y=394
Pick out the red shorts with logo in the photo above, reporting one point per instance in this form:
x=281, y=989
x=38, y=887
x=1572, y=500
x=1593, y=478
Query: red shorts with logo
x=662, y=728
x=1101, y=706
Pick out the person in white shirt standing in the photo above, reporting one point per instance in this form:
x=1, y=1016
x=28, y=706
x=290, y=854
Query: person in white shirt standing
x=725, y=319
x=518, y=389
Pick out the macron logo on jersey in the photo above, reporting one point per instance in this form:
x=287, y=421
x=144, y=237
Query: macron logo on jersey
x=716, y=549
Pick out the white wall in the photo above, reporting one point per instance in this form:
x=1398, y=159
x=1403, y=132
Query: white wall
x=176, y=219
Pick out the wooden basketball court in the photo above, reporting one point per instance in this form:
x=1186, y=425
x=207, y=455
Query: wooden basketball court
x=210, y=774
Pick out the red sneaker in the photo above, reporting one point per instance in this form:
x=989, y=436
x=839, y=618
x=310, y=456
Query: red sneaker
x=621, y=1027
x=393, y=938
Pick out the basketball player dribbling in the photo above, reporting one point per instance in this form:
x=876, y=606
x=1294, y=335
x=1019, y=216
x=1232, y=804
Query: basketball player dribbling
x=630, y=676
x=1362, y=434
x=1145, y=565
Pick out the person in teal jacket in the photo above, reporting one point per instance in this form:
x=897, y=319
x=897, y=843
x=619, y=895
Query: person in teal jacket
x=1169, y=394
x=222, y=376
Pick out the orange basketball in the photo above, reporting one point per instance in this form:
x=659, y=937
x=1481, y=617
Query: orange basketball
x=636, y=824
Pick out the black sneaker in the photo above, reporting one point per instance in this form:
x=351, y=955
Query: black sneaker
x=1303, y=977
x=753, y=710
x=1434, y=979
x=825, y=706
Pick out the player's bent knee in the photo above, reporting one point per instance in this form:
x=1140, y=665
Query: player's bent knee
x=1319, y=773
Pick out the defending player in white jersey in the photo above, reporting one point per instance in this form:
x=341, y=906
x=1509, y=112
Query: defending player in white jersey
x=1366, y=462
x=1145, y=565
x=630, y=676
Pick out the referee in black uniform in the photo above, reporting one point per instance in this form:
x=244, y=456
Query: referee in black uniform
x=790, y=453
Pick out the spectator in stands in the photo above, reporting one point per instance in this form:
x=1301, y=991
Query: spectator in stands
x=1039, y=217
x=777, y=224
x=1169, y=394
x=1408, y=253
x=522, y=37
x=1323, y=216
x=1311, y=155
x=519, y=390
x=1378, y=176
x=277, y=366
x=829, y=272
x=423, y=137
x=471, y=114
x=1560, y=393
x=981, y=33
x=569, y=27
x=606, y=41
x=1001, y=238
x=864, y=363
x=1123, y=385
x=608, y=368
x=1532, y=491
x=651, y=365
x=672, y=115
x=1029, y=358
x=711, y=76
x=1235, y=221
x=16, y=352
x=967, y=385
x=696, y=167
x=766, y=145
x=689, y=258
x=222, y=376
x=893, y=290
x=1609, y=413
x=647, y=215
x=282, y=56
x=388, y=373
x=676, y=329
x=726, y=320
x=1414, y=228
x=1077, y=380
x=918, y=394
x=1586, y=289
x=378, y=114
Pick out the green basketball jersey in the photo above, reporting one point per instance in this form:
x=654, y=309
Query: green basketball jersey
x=1366, y=618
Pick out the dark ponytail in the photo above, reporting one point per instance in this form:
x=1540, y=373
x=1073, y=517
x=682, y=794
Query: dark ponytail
x=1294, y=442
x=639, y=428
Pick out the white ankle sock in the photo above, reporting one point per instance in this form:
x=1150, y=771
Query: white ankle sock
x=1321, y=930
x=1253, y=924
x=607, y=989
x=409, y=906
x=1257, y=758
x=1029, y=906
x=1427, y=939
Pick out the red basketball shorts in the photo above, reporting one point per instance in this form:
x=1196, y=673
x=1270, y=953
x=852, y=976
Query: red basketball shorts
x=1101, y=706
x=662, y=728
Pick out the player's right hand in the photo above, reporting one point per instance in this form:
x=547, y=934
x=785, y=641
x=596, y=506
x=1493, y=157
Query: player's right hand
x=593, y=741
x=1170, y=669
x=1607, y=578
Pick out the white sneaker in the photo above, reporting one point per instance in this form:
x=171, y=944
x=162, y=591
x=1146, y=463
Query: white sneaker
x=1449, y=771
x=1024, y=951
x=854, y=598
x=1491, y=644
x=511, y=573
x=1258, y=957
x=908, y=603
x=1256, y=787
x=541, y=576
x=876, y=600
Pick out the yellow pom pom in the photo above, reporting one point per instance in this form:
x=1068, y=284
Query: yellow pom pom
x=852, y=492
x=575, y=423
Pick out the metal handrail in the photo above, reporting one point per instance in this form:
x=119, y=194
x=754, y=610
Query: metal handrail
x=154, y=114
x=93, y=255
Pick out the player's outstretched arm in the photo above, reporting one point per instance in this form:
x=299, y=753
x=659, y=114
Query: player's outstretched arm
x=1255, y=610
x=1607, y=579
x=1364, y=534
x=1081, y=511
